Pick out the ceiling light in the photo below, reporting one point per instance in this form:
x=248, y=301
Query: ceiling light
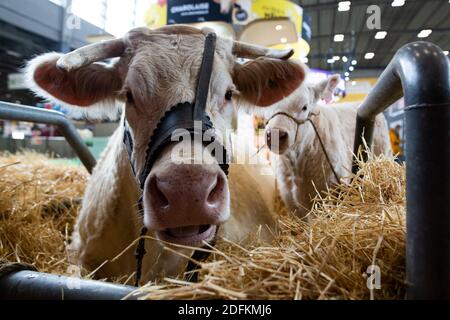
x=283, y=40
x=424, y=33
x=380, y=35
x=344, y=59
x=336, y=58
x=351, y=68
x=278, y=27
x=354, y=62
x=344, y=5
x=353, y=83
x=305, y=59
x=369, y=55
x=346, y=74
x=446, y=51
x=347, y=78
x=330, y=61
x=338, y=37
x=398, y=3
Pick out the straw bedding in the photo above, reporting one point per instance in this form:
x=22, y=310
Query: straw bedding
x=38, y=205
x=350, y=228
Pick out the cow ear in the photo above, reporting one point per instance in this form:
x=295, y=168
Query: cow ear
x=264, y=81
x=325, y=89
x=90, y=86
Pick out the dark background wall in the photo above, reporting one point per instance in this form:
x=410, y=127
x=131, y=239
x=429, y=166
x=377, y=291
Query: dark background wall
x=31, y=27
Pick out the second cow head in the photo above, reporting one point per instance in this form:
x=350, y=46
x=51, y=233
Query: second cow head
x=287, y=118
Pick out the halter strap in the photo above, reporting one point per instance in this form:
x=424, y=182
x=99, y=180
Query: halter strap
x=300, y=122
x=204, y=78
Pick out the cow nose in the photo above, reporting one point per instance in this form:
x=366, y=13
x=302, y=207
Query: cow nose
x=186, y=195
x=276, y=139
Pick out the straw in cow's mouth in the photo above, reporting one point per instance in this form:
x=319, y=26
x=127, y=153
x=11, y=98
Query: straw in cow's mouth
x=188, y=235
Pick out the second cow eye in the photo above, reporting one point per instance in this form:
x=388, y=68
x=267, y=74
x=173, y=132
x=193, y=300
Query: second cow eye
x=130, y=98
x=229, y=95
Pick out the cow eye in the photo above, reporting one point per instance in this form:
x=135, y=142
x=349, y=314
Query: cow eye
x=229, y=95
x=271, y=83
x=130, y=98
x=305, y=107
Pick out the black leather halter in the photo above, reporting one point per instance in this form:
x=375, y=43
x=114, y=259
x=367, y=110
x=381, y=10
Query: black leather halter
x=193, y=118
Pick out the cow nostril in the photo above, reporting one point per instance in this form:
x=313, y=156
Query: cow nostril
x=216, y=191
x=283, y=135
x=156, y=193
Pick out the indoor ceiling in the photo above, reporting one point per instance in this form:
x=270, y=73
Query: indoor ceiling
x=402, y=24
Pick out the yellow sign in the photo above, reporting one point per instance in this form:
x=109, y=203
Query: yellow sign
x=358, y=89
x=267, y=9
x=156, y=15
x=249, y=11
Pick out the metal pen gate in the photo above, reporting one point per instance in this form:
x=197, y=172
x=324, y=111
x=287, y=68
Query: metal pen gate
x=420, y=72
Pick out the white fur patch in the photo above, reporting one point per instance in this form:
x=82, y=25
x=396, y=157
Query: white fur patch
x=105, y=110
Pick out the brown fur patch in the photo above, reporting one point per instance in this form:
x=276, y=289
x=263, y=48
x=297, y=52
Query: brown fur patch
x=83, y=87
x=265, y=81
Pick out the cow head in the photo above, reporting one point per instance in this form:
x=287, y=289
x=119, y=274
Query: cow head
x=156, y=70
x=286, y=118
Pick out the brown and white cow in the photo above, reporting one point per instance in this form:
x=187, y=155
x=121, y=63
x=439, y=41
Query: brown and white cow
x=183, y=203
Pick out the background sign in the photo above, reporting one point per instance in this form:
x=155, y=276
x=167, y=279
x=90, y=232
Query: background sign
x=156, y=15
x=250, y=10
x=193, y=11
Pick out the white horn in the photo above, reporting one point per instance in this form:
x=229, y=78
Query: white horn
x=91, y=53
x=250, y=51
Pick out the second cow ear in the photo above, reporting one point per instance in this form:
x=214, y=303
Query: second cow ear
x=264, y=81
x=325, y=89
